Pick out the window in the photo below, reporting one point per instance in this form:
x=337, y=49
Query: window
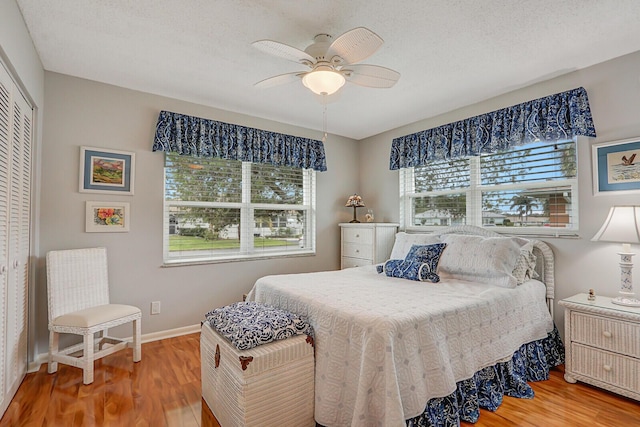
x=218, y=209
x=528, y=190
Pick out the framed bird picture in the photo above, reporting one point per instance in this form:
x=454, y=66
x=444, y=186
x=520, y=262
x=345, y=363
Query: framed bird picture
x=616, y=167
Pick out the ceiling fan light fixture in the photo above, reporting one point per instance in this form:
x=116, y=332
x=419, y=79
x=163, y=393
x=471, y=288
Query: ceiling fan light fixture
x=323, y=82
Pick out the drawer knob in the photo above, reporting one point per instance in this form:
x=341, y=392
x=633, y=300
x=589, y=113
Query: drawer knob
x=357, y=235
x=357, y=251
x=607, y=368
x=607, y=334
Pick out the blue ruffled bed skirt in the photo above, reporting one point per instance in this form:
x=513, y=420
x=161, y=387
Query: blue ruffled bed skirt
x=485, y=389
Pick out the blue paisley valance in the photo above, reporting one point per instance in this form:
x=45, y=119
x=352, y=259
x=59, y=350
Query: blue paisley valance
x=556, y=117
x=195, y=136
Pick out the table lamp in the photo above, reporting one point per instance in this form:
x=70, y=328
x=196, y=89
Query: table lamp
x=355, y=201
x=623, y=226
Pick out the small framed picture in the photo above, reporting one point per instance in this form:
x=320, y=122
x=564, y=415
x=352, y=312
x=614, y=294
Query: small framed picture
x=107, y=217
x=616, y=167
x=106, y=171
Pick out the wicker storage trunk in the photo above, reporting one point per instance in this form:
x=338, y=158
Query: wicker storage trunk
x=268, y=385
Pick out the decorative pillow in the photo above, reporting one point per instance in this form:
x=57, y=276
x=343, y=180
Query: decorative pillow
x=488, y=260
x=525, y=268
x=411, y=270
x=249, y=324
x=426, y=253
x=404, y=241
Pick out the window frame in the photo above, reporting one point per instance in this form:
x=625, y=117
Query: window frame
x=247, y=209
x=474, y=193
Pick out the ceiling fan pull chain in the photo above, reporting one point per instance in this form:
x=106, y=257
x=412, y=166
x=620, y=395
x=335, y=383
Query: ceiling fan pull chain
x=324, y=118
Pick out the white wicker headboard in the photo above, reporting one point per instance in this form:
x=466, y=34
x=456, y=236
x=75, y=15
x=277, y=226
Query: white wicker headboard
x=542, y=251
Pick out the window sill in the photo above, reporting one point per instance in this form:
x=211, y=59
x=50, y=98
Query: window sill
x=236, y=258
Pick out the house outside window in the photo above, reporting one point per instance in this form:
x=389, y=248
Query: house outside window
x=221, y=210
x=531, y=189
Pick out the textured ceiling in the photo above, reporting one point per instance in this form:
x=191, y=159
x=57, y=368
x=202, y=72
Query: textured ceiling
x=450, y=53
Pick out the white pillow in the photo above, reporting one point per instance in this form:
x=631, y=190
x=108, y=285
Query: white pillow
x=489, y=260
x=404, y=241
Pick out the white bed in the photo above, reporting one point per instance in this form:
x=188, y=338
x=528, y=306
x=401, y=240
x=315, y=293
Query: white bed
x=385, y=346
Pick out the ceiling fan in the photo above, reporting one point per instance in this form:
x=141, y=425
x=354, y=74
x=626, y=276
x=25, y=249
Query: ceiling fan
x=332, y=63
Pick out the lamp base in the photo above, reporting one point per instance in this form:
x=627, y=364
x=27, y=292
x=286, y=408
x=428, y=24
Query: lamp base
x=626, y=296
x=629, y=301
x=355, y=220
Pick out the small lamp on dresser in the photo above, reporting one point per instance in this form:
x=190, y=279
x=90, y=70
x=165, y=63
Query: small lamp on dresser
x=623, y=226
x=355, y=202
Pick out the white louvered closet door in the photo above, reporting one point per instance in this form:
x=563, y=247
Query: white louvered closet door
x=15, y=196
x=5, y=142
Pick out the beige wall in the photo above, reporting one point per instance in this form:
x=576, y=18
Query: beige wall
x=81, y=112
x=614, y=95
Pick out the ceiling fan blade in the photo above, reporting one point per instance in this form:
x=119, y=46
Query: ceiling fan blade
x=285, y=51
x=370, y=75
x=355, y=45
x=280, y=80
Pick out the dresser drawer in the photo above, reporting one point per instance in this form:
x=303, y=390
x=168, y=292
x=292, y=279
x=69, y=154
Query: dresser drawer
x=607, y=334
x=348, y=262
x=620, y=371
x=357, y=250
x=366, y=243
x=358, y=235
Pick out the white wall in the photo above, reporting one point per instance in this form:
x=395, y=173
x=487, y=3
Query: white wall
x=17, y=49
x=81, y=112
x=614, y=95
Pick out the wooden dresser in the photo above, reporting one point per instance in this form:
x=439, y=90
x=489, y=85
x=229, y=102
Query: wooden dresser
x=602, y=342
x=366, y=243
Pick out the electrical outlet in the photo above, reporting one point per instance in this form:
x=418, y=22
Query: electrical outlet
x=155, y=307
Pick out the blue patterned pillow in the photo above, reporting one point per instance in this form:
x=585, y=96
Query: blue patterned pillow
x=249, y=324
x=426, y=253
x=411, y=270
x=429, y=255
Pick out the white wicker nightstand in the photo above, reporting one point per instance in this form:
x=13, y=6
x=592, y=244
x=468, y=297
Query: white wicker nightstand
x=602, y=342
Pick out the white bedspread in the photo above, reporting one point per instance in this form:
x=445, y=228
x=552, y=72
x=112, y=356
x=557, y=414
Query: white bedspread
x=385, y=346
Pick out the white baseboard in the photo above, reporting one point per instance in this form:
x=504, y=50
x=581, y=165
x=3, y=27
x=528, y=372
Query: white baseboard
x=153, y=336
x=169, y=333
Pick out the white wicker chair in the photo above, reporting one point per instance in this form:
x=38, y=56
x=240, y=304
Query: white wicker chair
x=78, y=291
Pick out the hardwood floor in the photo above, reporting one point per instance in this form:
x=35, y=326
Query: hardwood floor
x=164, y=390
x=560, y=404
x=161, y=390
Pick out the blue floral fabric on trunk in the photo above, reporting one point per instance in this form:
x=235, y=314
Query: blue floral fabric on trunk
x=249, y=324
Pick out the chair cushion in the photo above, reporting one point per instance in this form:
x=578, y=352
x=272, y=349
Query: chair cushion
x=95, y=315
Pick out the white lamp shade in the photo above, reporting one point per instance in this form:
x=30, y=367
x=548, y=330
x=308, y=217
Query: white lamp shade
x=323, y=82
x=622, y=225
